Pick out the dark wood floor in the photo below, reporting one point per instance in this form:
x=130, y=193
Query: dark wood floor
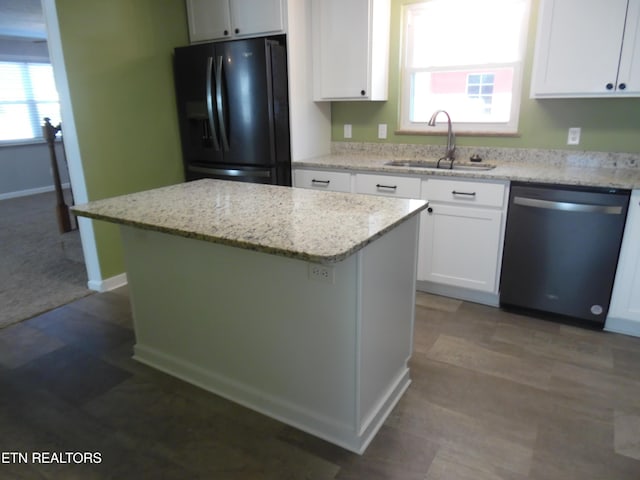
x=494, y=396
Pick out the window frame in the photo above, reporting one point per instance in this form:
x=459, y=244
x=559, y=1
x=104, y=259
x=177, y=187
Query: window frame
x=509, y=128
x=31, y=102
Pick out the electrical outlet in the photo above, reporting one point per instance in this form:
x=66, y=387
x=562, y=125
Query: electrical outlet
x=321, y=273
x=347, y=130
x=382, y=130
x=573, y=138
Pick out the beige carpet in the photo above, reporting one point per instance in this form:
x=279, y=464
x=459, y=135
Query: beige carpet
x=40, y=268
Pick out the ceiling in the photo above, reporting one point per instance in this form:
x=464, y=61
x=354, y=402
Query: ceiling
x=22, y=19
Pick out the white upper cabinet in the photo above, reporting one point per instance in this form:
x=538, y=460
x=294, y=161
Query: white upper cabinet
x=220, y=19
x=350, y=49
x=587, y=48
x=253, y=17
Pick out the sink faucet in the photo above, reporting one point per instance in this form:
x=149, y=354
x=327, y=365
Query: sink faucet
x=451, y=138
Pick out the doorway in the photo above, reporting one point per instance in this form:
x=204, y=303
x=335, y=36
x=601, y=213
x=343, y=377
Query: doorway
x=42, y=267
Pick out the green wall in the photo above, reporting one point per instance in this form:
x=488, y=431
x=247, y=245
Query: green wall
x=607, y=124
x=118, y=59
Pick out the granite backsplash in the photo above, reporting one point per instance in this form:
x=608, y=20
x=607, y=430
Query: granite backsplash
x=558, y=158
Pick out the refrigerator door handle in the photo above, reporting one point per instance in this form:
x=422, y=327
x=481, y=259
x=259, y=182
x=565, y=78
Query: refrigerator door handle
x=220, y=105
x=212, y=126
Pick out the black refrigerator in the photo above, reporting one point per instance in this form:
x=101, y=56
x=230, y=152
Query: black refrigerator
x=233, y=110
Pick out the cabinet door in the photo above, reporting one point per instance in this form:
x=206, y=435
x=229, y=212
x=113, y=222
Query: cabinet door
x=578, y=47
x=208, y=19
x=350, y=49
x=254, y=17
x=341, y=48
x=459, y=246
x=629, y=71
x=625, y=300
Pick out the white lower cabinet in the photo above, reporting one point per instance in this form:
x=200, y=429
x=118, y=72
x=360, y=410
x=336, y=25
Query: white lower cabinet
x=388, y=185
x=624, y=311
x=461, y=237
x=460, y=246
x=322, y=180
x=461, y=233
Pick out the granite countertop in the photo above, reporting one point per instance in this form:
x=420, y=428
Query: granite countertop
x=323, y=227
x=574, y=169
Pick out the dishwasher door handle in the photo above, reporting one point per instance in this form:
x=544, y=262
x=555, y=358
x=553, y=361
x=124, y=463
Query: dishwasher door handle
x=568, y=206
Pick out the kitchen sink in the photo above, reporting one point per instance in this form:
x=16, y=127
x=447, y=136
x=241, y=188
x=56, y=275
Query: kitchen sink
x=444, y=165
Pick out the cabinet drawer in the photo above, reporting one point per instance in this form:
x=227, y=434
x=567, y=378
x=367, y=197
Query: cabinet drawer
x=322, y=180
x=464, y=192
x=405, y=187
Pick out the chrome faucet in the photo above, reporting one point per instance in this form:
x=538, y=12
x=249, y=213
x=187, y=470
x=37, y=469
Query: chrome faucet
x=451, y=138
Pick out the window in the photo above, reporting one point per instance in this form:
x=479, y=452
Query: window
x=27, y=95
x=480, y=87
x=465, y=57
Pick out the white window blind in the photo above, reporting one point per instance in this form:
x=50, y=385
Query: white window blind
x=27, y=95
x=465, y=57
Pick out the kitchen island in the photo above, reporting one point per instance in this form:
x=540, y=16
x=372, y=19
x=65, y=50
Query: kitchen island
x=295, y=303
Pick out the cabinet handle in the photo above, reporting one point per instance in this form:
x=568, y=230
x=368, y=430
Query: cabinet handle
x=237, y=30
x=469, y=194
x=609, y=86
x=622, y=86
x=226, y=32
x=363, y=92
x=391, y=187
x=321, y=182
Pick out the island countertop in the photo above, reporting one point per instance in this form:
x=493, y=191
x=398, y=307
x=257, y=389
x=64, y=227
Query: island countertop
x=323, y=227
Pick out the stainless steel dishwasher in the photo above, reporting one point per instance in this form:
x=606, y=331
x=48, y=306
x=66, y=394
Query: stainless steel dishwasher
x=561, y=249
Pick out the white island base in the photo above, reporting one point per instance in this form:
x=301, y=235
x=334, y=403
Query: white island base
x=326, y=356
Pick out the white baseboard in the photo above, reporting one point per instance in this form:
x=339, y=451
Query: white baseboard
x=624, y=326
x=485, y=298
x=30, y=191
x=108, y=284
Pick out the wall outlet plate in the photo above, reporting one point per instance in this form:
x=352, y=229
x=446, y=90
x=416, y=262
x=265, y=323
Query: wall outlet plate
x=321, y=273
x=573, y=138
x=347, y=130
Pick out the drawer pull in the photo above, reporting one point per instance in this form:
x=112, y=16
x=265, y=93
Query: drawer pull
x=391, y=187
x=468, y=194
x=324, y=183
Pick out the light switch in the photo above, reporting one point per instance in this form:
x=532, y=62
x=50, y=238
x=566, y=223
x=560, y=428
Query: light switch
x=347, y=130
x=382, y=130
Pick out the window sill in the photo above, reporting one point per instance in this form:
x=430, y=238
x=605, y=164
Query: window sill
x=22, y=143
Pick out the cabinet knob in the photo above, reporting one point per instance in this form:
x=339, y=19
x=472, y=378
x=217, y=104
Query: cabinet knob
x=609, y=86
x=237, y=30
x=622, y=86
x=226, y=32
x=363, y=93
x=430, y=209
